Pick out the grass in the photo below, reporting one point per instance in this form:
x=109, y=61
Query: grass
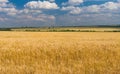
x=59, y=53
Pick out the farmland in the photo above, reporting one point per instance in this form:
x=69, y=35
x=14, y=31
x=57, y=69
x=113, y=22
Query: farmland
x=69, y=29
x=64, y=29
x=59, y=52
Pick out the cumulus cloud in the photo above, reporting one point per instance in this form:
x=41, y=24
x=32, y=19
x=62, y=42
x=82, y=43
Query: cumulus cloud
x=7, y=8
x=3, y=4
x=92, y=9
x=73, y=2
x=111, y=5
x=108, y=7
x=41, y=5
x=34, y=13
x=3, y=1
x=51, y=0
x=29, y=11
x=103, y=14
x=72, y=9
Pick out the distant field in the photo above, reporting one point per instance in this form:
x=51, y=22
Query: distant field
x=59, y=53
x=65, y=29
x=68, y=29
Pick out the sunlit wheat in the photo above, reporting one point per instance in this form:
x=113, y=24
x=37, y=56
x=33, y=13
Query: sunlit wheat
x=59, y=53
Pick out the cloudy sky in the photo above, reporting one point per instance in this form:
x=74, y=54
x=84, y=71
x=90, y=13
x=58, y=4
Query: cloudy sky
x=35, y=13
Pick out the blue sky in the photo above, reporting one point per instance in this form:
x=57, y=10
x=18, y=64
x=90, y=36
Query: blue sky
x=36, y=13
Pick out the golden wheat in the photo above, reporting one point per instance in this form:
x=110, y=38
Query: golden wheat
x=59, y=53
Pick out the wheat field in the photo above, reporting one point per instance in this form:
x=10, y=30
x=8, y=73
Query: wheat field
x=59, y=53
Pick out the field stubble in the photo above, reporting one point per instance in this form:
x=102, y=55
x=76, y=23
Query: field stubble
x=59, y=53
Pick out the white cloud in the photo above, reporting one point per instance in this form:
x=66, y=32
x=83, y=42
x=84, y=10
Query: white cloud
x=68, y=8
x=9, y=11
x=3, y=1
x=75, y=2
x=103, y=14
x=108, y=7
x=92, y=9
x=111, y=5
x=77, y=10
x=7, y=8
x=51, y=0
x=34, y=13
x=41, y=5
x=72, y=9
x=29, y=11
